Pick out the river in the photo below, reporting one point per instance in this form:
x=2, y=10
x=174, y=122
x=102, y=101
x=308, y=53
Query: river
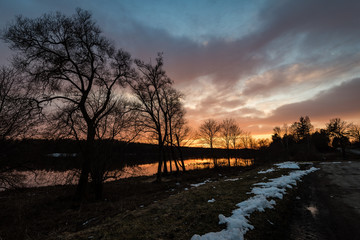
x=41, y=178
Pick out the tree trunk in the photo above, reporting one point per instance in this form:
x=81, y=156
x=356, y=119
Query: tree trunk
x=97, y=183
x=82, y=187
x=160, y=157
x=180, y=153
x=165, y=162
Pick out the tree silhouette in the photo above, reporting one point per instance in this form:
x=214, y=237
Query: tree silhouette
x=338, y=130
x=208, y=131
x=176, y=121
x=17, y=117
x=73, y=67
x=355, y=132
x=152, y=88
x=302, y=129
x=229, y=133
x=17, y=111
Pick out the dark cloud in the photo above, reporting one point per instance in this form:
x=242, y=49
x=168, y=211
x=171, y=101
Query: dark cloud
x=340, y=101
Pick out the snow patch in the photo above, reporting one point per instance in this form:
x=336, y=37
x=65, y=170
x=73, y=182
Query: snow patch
x=199, y=184
x=238, y=223
x=290, y=165
x=231, y=179
x=267, y=171
x=211, y=200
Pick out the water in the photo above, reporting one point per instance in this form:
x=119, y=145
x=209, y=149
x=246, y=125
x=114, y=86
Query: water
x=41, y=178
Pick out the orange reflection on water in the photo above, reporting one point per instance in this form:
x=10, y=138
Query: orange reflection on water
x=190, y=164
x=41, y=178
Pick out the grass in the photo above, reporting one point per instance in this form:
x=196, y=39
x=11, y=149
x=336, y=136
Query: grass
x=186, y=213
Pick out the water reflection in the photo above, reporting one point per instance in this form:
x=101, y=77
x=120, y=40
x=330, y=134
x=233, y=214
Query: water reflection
x=41, y=178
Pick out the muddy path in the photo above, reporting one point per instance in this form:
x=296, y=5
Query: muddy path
x=327, y=205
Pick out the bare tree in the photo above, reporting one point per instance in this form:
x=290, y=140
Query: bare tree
x=176, y=122
x=263, y=143
x=74, y=67
x=208, y=131
x=150, y=87
x=246, y=140
x=225, y=131
x=16, y=109
x=339, y=132
x=17, y=117
x=355, y=132
x=229, y=133
x=183, y=135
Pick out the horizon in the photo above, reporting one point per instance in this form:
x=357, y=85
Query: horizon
x=262, y=63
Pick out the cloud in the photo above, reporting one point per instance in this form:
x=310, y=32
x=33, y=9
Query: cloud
x=340, y=101
x=296, y=60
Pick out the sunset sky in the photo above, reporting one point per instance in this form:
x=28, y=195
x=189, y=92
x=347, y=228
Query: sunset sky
x=262, y=62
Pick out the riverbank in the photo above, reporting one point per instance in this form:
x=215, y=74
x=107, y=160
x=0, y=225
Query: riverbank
x=38, y=213
x=324, y=205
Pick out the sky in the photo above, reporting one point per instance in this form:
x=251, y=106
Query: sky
x=261, y=62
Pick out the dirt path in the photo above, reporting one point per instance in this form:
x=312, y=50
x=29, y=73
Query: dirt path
x=328, y=203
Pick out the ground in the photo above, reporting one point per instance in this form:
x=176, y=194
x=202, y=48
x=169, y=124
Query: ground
x=175, y=209
x=334, y=194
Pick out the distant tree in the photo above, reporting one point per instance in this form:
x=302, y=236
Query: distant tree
x=73, y=67
x=302, y=129
x=230, y=132
x=355, y=132
x=263, y=143
x=235, y=135
x=321, y=140
x=208, y=131
x=338, y=130
x=246, y=140
x=277, y=135
x=17, y=119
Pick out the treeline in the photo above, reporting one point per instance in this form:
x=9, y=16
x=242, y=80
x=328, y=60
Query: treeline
x=300, y=141
x=227, y=134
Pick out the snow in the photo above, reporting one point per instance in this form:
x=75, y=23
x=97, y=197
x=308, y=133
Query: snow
x=330, y=162
x=290, y=165
x=211, y=200
x=270, y=222
x=238, y=223
x=56, y=155
x=231, y=179
x=267, y=171
x=199, y=184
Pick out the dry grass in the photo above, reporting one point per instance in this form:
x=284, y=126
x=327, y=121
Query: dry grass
x=188, y=212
